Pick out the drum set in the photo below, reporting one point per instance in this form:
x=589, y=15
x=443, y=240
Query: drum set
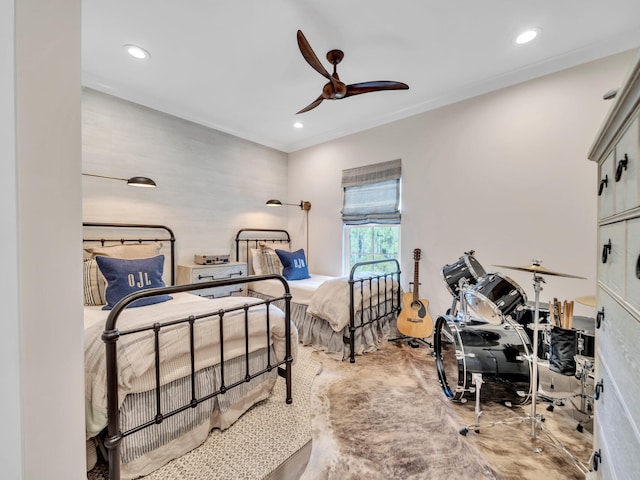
x=492, y=340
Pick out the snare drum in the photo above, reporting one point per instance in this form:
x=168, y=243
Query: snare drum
x=501, y=353
x=466, y=268
x=494, y=297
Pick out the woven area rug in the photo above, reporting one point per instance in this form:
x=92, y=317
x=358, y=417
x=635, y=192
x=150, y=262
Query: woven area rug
x=257, y=443
x=386, y=417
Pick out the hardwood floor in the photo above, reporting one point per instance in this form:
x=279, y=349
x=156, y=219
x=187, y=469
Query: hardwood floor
x=294, y=467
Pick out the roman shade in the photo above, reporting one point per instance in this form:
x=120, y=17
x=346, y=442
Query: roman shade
x=372, y=193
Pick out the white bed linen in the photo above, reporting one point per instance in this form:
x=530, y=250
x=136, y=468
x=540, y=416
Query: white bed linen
x=136, y=351
x=301, y=290
x=331, y=300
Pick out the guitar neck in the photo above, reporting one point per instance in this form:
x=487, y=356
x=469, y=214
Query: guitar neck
x=416, y=283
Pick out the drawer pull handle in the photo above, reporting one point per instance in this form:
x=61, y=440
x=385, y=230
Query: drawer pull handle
x=638, y=267
x=598, y=389
x=213, y=277
x=229, y=294
x=622, y=165
x=606, y=250
x=603, y=184
x=600, y=317
x=597, y=459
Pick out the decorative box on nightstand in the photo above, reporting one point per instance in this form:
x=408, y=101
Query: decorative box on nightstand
x=192, y=273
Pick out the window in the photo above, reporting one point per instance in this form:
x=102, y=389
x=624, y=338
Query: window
x=372, y=242
x=371, y=212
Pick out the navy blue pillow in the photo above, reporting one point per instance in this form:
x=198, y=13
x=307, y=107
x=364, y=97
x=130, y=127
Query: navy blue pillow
x=294, y=263
x=125, y=276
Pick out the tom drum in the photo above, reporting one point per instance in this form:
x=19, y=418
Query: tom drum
x=467, y=268
x=494, y=297
x=501, y=353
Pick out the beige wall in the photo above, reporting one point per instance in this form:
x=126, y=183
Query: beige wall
x=504, y=173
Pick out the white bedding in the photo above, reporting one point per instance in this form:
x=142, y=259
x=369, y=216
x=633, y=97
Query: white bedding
x=331, y=300
x=301, y=290
x=136, y=351
x=329, y=297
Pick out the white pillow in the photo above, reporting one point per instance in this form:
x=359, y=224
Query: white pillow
x=256, y=260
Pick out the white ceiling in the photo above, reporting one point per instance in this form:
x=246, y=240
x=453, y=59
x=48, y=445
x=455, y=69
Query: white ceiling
x=234, y=65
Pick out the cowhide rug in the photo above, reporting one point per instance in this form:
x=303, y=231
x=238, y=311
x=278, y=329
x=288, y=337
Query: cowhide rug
x=386, y=417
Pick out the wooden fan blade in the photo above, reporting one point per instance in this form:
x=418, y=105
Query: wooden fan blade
x=366, y=87
x=312, y=105
x=310, y=56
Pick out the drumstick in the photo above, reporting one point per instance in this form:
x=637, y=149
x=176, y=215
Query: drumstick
x=570, y=316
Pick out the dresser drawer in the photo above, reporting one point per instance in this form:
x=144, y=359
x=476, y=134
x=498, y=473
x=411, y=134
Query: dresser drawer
x=612, y=250
x=615, y=436
x=193, y=273
x=209, y=273
x=626, y=171
x=606, y=198
x=618, y=342
x=633, y=264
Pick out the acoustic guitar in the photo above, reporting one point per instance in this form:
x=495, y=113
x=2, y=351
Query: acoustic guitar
x=414, y=319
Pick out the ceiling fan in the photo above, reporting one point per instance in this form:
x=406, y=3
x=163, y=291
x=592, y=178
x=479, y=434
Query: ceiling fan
x=336, y=89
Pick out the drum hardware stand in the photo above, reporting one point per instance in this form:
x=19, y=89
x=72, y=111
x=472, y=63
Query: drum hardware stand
x=585, y=404
x=535, y=419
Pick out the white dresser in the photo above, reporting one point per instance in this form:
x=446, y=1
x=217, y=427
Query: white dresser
x=617, y=366
x=193, y=273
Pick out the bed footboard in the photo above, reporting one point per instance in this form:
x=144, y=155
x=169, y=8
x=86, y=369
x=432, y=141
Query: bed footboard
x=381, y=302
x=111, y=336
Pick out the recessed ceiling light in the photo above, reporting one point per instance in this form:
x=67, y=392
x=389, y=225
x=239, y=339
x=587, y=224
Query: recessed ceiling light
x=298, y=125
x=137, y=52
x=527, y=36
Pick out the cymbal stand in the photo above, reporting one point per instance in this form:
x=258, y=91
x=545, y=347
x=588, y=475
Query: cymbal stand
x=537, y=280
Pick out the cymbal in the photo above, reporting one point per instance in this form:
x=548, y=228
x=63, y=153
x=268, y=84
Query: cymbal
x=588, y=300
x=539, y=269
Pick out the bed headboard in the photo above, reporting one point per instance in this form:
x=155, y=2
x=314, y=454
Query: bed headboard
x=247, y=238
x=106, y=234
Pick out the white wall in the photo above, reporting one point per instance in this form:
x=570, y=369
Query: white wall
x=11, y=448
x=210, y=184
x=41, y=288
x=504, y=173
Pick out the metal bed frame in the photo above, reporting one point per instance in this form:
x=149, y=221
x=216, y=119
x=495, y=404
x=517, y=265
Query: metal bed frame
x=111, y=335
x=249, y=237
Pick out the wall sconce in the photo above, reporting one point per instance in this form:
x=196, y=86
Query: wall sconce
x=133, y=181
x=304, y=205
x=277, y=203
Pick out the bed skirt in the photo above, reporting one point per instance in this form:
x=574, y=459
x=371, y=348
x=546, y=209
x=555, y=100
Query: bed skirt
x=319, y=334
x=147, y=450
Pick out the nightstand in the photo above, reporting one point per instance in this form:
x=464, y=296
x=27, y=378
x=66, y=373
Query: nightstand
x=193, y=273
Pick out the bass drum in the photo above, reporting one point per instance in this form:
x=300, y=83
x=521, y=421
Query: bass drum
x=467, y=268
x=500, y=353
x=494, y=297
